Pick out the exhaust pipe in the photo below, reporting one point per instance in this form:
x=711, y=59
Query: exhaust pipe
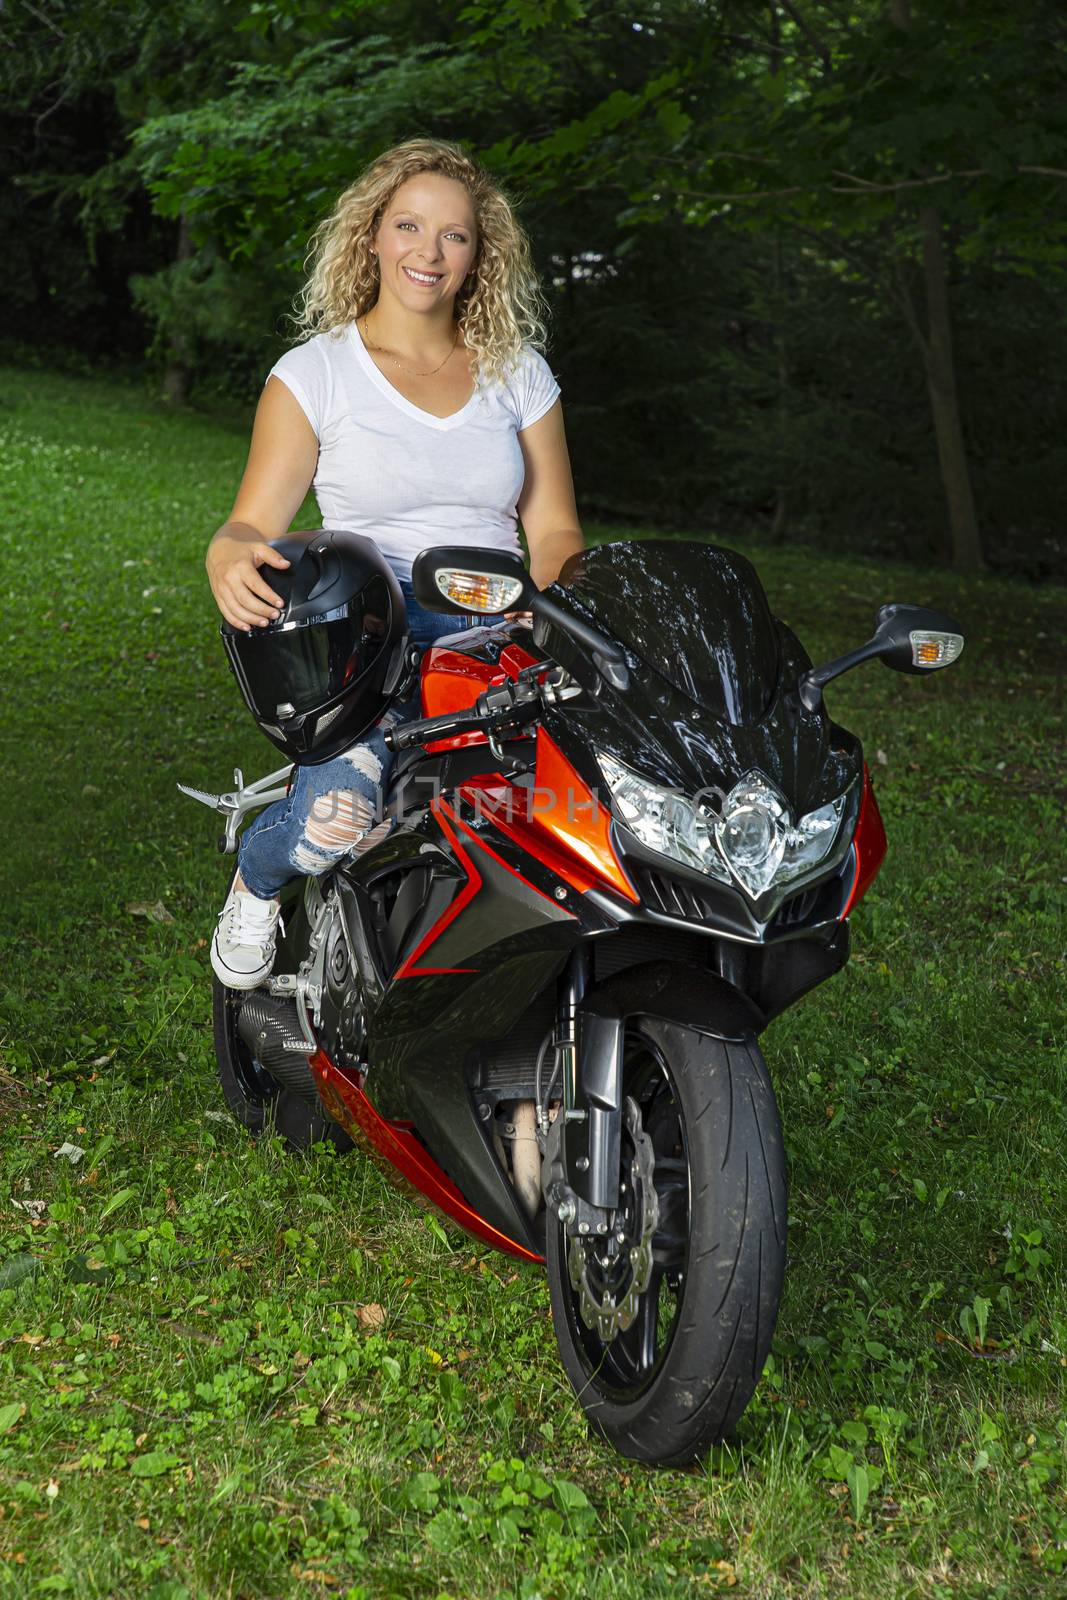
x=271, y=1029
x=526, y=1157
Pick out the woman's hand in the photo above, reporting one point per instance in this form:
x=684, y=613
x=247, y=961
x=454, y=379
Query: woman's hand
x=245, y=599
x=281, y=465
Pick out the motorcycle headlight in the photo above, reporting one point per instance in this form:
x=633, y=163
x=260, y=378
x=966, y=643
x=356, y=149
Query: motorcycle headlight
x=664, y=819
x=747, y=836
x=759, y=841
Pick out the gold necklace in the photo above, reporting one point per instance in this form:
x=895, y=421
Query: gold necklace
x=396, y=363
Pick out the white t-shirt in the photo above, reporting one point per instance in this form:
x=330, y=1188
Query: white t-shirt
x=406, y=478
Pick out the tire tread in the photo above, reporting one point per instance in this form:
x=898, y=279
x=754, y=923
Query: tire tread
x=723, y=1331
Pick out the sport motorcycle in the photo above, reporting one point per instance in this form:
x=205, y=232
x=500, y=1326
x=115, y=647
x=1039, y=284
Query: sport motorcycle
x=624, y=836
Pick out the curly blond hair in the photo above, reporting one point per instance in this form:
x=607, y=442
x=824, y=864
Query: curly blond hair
x=499, y=305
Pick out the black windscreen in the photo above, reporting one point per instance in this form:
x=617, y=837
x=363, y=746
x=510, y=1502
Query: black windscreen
x=694, y=612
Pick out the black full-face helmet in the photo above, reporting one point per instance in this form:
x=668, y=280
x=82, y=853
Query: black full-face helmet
x=324, y=672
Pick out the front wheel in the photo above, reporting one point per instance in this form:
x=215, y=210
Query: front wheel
x=666, y=1377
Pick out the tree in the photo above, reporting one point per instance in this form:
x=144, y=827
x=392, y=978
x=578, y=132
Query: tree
x=752, y=216
x=842, y=125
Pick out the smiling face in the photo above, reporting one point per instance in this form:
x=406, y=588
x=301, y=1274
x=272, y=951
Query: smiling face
x=426, y=241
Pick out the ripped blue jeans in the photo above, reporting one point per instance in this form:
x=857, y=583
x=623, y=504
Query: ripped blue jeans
x=331, y=809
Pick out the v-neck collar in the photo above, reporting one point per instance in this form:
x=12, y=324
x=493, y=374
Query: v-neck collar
x=391, y=392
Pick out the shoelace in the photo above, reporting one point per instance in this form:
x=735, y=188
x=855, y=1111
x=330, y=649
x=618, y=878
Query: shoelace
x=247, y=925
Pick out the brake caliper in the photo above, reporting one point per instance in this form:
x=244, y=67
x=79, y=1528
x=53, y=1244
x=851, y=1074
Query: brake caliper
x=610, y=1274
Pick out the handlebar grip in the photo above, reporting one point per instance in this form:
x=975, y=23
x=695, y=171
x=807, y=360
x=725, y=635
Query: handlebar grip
x=429, y=728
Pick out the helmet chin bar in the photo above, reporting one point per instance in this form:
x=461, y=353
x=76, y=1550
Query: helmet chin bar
x=244, y=798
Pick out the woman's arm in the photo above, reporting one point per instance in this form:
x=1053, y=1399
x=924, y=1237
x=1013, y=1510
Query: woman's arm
x=278, y=474
x=546, y=505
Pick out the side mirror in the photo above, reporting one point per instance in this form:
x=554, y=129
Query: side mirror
x=913, y=639
x=454, y=577
x=908, y=639
x=465, y=578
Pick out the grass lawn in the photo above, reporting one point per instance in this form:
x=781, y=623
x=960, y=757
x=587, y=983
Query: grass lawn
x=224, y=1372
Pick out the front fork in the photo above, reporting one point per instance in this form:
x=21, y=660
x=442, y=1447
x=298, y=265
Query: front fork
x=580, y=1177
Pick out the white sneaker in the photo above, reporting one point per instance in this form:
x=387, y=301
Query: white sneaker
x=242, y=948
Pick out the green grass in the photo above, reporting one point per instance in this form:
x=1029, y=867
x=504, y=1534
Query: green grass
x=227, y=1373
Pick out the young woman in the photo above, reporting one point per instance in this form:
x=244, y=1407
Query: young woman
x=422, y=412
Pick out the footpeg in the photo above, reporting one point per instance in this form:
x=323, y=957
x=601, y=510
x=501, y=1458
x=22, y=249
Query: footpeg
x=242, y=799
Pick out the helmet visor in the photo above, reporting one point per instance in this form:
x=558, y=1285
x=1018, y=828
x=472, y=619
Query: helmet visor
x=287, y=671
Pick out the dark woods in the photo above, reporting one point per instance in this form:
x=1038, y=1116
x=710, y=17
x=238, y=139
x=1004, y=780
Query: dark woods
x=805, y=259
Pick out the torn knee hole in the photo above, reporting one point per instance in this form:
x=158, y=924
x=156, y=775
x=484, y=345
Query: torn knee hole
x=336, y=820
x=310, y=861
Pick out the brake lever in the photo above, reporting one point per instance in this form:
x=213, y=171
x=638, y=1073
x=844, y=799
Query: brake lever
x=555, y=686
x=498, y=709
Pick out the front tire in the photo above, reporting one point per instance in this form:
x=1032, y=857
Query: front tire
x=676, y=1381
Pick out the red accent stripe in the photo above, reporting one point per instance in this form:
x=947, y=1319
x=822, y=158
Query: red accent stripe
x=578, y=850
x=458, y=741
x=408, y=969
x=404, y=1152
x=467, y=791
x=536, y=842
x=869, y=843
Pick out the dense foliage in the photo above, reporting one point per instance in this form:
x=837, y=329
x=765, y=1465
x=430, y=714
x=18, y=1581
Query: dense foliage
x=805, y=259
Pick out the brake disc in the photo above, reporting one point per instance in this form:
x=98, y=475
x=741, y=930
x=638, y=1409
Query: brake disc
x=610, y=1275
